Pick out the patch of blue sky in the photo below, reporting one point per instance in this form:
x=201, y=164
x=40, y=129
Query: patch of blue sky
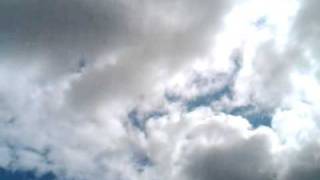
x=15, y=148
x=139, y=120
x=200, y=82
x=135, y=120
x=140, y=159
x=82, y=64
x=253, y=115
x=207, y=99
x=170, y=97
x=226, y=90
x=24, y=175
x=142, y=162
x=261, y=22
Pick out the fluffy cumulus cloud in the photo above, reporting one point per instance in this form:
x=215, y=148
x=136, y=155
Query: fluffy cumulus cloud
x=146, y=89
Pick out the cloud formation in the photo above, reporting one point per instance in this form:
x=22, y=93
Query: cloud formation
x=160, y=89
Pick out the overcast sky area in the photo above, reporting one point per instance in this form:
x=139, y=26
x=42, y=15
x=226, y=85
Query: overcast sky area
x=159, y=90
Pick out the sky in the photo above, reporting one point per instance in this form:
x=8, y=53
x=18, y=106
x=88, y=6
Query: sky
x=153, y=90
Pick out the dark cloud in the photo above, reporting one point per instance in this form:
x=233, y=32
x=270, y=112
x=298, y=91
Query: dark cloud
x=55, y=34
x=60, y=32
x=304, y=163
x=238, y=160
x=305, y=30
x=141, y=37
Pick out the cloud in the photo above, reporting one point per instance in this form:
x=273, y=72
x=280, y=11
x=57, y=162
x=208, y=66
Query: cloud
x=301, y=163
x=232, y=161
x=78, y=65
x=202, y=145
x=104, y=89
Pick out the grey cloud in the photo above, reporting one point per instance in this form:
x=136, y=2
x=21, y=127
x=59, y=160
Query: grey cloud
x=159, y=46
x=144, y=37
x=272, y=73
x=65, y=30
x=305, y=29
x=304, y=163
x=242, y=160
x=56, y=34
x=304, y=34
